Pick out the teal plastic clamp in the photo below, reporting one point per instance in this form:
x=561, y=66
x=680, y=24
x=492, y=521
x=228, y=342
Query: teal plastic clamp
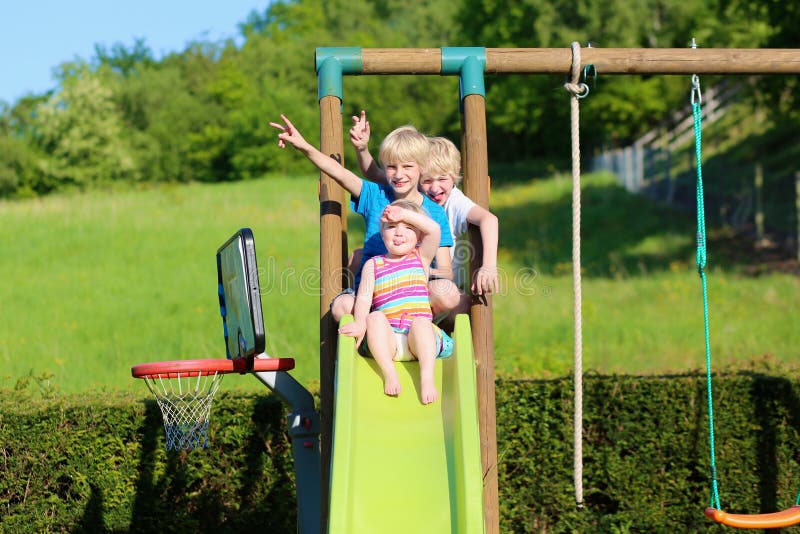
x=331, y=64
x=469, y=63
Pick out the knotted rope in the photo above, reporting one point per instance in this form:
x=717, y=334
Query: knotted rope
x=577, y=90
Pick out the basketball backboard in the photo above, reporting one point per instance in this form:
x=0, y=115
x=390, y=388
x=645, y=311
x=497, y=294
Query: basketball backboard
x=240, y=296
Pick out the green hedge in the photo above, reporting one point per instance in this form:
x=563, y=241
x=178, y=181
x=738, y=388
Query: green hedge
x=97, y=463
x=646, y=459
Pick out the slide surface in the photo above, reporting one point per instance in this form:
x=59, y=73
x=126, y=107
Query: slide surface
x=398, y=465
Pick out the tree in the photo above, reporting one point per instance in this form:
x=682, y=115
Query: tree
x=278, y=52
x=124, y=60
x=17, y=167
x=523, y=112
x=80, y=134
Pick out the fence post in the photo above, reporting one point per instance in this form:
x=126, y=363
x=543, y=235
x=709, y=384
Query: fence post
x=669, y=177
x=639, y=151
x=797, y=210
x=759, y=215
x=627, y=173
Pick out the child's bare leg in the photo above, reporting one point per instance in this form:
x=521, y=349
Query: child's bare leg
x=382, y=344
x=422, y=343
x=444, y=295
x=342, y=305
x=448, y=323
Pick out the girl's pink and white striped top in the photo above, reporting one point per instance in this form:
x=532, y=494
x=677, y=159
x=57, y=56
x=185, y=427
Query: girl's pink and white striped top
x=401, y=290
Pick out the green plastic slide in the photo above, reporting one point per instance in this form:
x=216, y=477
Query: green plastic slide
x=398, y=465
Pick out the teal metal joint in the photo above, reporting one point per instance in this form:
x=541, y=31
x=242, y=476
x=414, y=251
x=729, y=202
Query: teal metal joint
x=469, y=63
x=331, y=64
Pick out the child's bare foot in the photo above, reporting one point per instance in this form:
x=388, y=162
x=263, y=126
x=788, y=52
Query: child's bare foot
x=391, y=384
x=429, y=393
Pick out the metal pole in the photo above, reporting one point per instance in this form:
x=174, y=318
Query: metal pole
x=304, y=431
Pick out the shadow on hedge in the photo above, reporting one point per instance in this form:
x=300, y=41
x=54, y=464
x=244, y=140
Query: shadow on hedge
x=242, y=482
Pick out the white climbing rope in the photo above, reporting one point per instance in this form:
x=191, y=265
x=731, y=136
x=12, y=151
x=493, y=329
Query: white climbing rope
x=577, y=90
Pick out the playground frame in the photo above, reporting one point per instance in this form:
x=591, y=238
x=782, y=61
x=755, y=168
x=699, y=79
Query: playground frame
x=470, y=64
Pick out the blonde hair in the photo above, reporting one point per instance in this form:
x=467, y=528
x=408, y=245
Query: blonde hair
x=405, y=143
x=408, y=205
x=444, y=158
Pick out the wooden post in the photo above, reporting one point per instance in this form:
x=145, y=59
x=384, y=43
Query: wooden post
x=331, y=243
x=476, y=187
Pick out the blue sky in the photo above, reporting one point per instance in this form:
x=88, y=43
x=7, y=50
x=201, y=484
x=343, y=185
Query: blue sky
x=38, y=35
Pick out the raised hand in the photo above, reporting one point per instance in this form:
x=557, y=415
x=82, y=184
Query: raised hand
x=289, y=134
x=393, y=214
x=360, y=132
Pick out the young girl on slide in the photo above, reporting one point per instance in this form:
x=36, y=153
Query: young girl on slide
x=392, y=304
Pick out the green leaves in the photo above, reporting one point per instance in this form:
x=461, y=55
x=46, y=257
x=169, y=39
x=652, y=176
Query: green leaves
x=80, y=132
x=199, y=114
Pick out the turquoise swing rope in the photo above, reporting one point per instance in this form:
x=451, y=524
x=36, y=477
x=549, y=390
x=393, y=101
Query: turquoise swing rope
x=702, y=259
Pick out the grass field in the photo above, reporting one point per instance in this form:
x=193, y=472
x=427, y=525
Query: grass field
x=96, y=282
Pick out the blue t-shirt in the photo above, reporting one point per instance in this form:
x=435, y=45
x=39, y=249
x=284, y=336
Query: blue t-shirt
x=370, y=204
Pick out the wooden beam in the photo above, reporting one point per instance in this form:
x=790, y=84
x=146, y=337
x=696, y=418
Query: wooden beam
x=606, y=60
x=401, y=60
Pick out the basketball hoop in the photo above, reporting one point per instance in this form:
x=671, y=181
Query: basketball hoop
x=185, y=389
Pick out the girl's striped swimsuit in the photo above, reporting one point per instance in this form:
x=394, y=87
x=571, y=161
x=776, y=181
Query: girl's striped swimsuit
x=401, y=293
x=401, y=290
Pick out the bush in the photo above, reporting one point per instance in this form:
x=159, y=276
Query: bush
x=97, y=462
x=645, y=452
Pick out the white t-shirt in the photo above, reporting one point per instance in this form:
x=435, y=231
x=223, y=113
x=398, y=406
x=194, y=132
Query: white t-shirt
x=457, y=208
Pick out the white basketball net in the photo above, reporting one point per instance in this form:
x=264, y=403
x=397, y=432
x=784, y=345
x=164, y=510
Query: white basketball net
x=185, y=404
